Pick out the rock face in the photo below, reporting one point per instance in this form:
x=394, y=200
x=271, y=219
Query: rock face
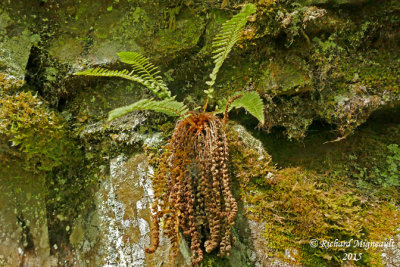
x=24, y=235
x=118, y=230
x=332, y=62
x=15, y=45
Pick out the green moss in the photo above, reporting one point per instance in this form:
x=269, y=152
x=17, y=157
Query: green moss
x=297, y=205
x=364, y=158
x=36, y=148
x=377, y=76
x=9, y=83
x=37, y=134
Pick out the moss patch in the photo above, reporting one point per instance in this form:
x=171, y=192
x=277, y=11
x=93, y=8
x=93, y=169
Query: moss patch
x=37, y=134
x=297, y=205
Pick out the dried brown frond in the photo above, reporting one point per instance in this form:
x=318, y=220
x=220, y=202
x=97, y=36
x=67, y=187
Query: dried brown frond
x=193, y=188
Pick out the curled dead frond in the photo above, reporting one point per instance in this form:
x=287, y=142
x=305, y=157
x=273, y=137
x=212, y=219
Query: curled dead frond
x=193, y=187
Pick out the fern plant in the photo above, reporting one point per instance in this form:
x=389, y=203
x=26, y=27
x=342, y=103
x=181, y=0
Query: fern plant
x=192, y=184
x=145, y=73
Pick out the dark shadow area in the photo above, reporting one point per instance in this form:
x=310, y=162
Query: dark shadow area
x=317, y=147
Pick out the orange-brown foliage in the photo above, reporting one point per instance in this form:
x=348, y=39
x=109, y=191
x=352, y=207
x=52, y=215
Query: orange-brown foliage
x=193, y=188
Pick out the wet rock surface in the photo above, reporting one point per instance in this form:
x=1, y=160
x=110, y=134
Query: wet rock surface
x=24, y=238
x=334, y=62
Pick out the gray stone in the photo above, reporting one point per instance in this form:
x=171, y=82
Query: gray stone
x=15, y=46
x=23, y=220
x=123, y=212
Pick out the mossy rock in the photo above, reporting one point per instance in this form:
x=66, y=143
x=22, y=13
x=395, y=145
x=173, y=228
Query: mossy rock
x=285, y=78
x=184, y=33
x=15, y=45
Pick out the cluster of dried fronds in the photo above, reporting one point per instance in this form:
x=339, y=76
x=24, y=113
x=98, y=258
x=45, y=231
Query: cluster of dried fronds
x=193, y=187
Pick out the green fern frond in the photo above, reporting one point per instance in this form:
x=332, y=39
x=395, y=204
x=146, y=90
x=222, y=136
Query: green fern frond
x=142, y=72
x=230, y=33
x=168, y=106
x=147, y=71
x=252, y=102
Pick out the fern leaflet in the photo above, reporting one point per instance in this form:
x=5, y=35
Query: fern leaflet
x=168, y=106
x=147, y=71
x=250, y=101
x=224, y=41
x=142, y=72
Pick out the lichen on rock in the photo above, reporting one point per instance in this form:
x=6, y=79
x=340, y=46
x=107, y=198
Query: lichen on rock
x=325, y=70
